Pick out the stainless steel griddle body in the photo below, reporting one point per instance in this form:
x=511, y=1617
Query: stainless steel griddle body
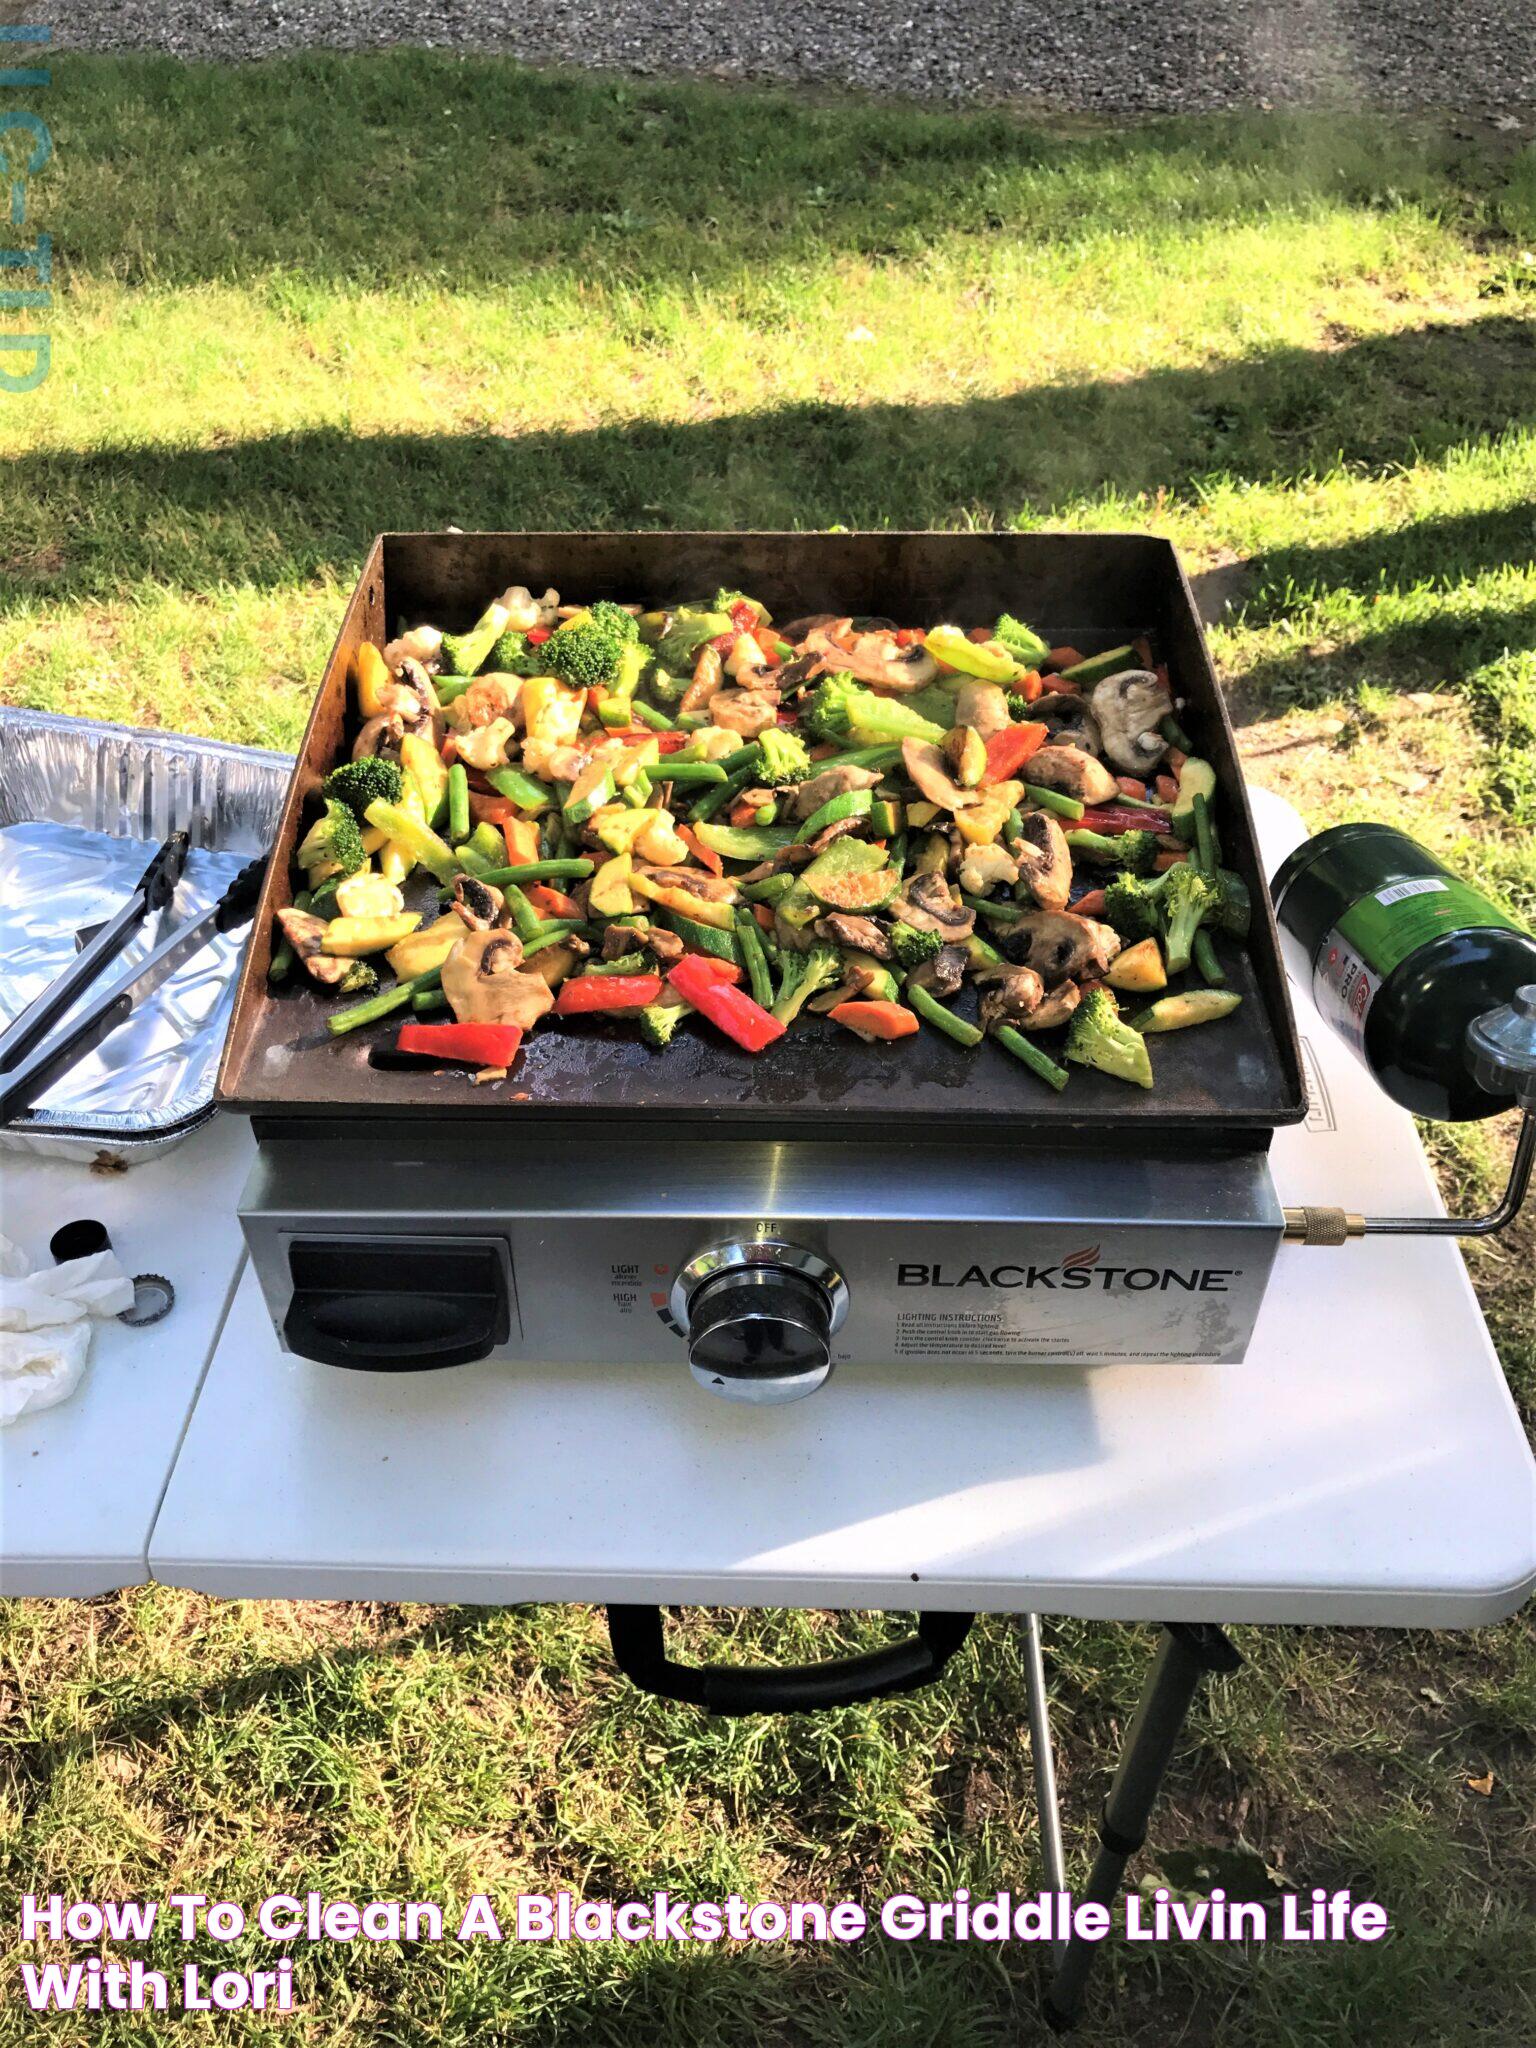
x=432, y=1250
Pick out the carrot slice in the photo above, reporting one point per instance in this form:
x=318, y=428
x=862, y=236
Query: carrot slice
x=875, y=1020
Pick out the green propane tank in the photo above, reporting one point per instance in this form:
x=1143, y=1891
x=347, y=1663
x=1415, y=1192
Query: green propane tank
x=1400, y=955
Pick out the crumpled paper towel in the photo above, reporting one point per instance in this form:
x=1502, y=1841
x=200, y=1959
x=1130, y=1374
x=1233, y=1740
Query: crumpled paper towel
x=45, y=1324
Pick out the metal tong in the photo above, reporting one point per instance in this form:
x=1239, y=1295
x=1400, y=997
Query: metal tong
x=30, y=1061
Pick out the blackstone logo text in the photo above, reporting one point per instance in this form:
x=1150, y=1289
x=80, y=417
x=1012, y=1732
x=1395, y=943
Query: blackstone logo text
x=1075, y=1278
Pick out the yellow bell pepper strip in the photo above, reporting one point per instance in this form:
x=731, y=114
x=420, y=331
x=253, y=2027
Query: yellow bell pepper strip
x=419, y=840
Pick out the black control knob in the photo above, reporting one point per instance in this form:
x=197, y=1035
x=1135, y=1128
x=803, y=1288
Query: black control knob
x=760, y=1333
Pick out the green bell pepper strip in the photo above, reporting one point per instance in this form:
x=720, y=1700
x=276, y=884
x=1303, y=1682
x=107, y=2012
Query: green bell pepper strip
x=769, y=889
x=712, y=799
x=1205, y=837
x=853, y=803
x=521, y=788
x=877, y=759
x=383, y=1004
x=419, y=840
x=1038, y=1062
x=670, y=769
x=450, y=687
x=754, y=959
x=1053, y=800
x=458, y=803
x=932, y=1011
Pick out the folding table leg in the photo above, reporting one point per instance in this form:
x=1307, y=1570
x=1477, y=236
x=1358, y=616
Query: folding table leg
x=1042, y=1756
x=1188, y=1652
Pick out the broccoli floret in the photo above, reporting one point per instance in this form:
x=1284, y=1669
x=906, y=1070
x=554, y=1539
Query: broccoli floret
x=1134, y=853
x=613, y=618
x=1098, y=1037
x=358, y=783
x=783, y=758
x=726, y=599
x=1234, y=907
x=586, y=655
x=1131, y=907
x=912, y=947
x=1019, y=707
x=512, y=656
x=360, y=979
x=1021, y=641
x=1185, y=900
x=336, y=839
x=659, y=1020
x=803, y=974
x=841, y=709
x=667, y=690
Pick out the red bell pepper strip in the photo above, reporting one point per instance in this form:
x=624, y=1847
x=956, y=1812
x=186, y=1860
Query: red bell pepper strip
x=718, y=970
x=591, y=992
x=909, y=636
x=705, y=855
x=875, y=1020
x=1008, y=750
x=728, y=1008
x=473, y=1045
x=743, y=617
x=1113, y=819
x=537, y=635
x=551, y=902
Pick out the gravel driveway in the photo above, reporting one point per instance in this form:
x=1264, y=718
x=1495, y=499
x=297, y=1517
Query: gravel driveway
x=1140, y=55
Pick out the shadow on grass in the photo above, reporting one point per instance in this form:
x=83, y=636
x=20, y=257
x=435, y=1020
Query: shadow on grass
x=285, y=508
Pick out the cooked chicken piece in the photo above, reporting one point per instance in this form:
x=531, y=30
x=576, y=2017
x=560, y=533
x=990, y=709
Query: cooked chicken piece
x=479, y=905
x=748, y=712
x=820, y=789
x=858, y=934
x=1059, y=945
x=943, y=974
x=1045, y=860
x=983, y=707
x=1074, y=772
x=929, y=906
x=484, y=982
x=930, y=771
x=487, y=699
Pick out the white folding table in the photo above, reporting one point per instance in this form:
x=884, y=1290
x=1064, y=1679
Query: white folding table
x=1364, y=1465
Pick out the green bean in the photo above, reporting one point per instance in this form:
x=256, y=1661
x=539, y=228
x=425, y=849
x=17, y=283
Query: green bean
x=712, y=799
x=1002, y=913
x=1053, y=800
x=383, y=1004
x=658, y=721
x=749, y=938
x=458, y=803
x=1033, y=1058
x=874, y=758
x=526, y=921
x=282, y=960
x=1175, y=734
x=1207, y=965
x=744, y=757
x=770, y=888
x=932, y=1011
x=426, y=1000
x=1013, y=826
x=532, y=871
x=552, y=934
x=673, y=770
x=1205, y=836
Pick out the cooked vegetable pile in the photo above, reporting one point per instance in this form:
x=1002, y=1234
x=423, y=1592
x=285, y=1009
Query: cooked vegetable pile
x=645, y=817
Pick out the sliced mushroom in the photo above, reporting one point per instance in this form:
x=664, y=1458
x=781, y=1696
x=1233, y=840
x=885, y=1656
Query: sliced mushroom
x=381, y=735
x=411, y=675
x=840, y=828
x=484, y=982
x=929, y=770
x=831, y=782
x=1057, y=1007
x=1074, y=773
x=1012, y=996
x=1129, y=707
x=306, y=935
x=1059, y=945
x=801, y=629
x=748, y=712
x=479, y=905
x=1045, y=860
x=870, y=657
x=858, y=934
x=856, y=982
x=620, y=939
x=966, y=752
x=983, y=706
x=983, y=868
x=929, y=906
x=943, y=974
x=1070, y=722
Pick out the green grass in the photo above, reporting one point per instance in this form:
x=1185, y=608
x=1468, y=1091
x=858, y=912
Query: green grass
x=302, y=302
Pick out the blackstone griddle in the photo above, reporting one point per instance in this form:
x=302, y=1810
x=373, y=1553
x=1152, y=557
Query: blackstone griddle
x=828, y=1201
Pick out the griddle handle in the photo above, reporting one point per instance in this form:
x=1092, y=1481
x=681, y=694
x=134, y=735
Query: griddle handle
x=396, y=1306
x=639, y=1650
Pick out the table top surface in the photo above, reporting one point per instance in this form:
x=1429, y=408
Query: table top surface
x=80, y=1483
x=1365, y=1463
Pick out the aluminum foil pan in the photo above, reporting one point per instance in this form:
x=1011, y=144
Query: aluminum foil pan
x=83, y=807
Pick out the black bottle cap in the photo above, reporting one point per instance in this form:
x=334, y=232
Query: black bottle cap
x=79, y=1240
